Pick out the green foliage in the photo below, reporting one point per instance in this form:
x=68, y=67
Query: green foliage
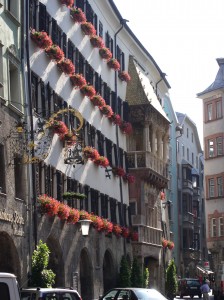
x=136, y=274
x=125, y=273
x=41, y=277
x=146, y=278
x=171, y=280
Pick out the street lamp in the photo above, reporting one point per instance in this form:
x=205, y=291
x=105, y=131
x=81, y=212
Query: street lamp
x=85, y=226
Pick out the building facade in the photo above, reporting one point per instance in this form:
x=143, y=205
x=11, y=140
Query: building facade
x=213, y=173
x=190, y=198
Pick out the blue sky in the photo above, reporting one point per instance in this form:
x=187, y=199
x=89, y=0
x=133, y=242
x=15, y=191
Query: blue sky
x=184, y=37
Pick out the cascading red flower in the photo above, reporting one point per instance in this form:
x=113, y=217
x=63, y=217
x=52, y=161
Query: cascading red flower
x=88, y=28
x=73, y=216
x=90, y=152
x=98, y=100
x=68, y=3
x=66, y=66
x=77, y=15
x=96, y=41
x=102, y=161
x=125, y=232
x=118, y=171
x=164, y=243
x=55, y=52
x=88, y=90
x=106, y=110
x=48, y=205
x=63, y=211
x=105, y=53
x=170, y=245
x=97, y=222
x=115, y=119
x=113, y=64
x=41, y=38
x=134, y=236
x=108, y=226
x=124, y=76
x=126, y=127
x=84, y=215
x=77, y=80
x=59, y=127
x=129, y=178
x=117, y=230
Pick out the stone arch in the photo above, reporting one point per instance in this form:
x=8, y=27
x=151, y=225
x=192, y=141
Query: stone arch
x=86, y=275
x=56, y=263
x=154, y=275
x=9, y=258
x=109, y=273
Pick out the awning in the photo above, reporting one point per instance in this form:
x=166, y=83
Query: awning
x=205, y=271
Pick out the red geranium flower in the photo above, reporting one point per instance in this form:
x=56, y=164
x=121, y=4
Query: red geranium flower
x=105, y=53
x=116, y=119
x=106, y=110
x=124, y=76
x=118, y=171
x=134, y=236
x=170, y=245
x=108, y=226
x=129, y=178
x=97, y=100
x=102, y=161
x=88, y=90
x=117, y=229
x=73, y=216
x=77, y=80
x=68, y=3
x=77, y=14
x=125, y=232
x=63, y=211
x=48, y=205
x=66, y=66
x=84, y=215
x=90, y=152
x=126, y=127
x=96, y=41
x=41, y=38
x=164, y=243
x=113, y=64
x=55, y=52
x=88, y=28
x=97, y=222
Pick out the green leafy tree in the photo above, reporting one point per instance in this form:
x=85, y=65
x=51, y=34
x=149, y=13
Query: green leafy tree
x=146, y=278
x=171, y=280
x=136, y=274
x=125, y=273
x=41, y=276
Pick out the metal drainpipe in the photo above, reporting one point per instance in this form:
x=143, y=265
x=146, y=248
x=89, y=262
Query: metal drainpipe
x=117, y=136
x=30, y=110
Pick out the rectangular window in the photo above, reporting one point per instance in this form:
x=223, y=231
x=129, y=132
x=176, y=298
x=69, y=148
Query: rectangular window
x=56, y=33
x=192, y=137
x=210, y=148
x=213, y=229
x=187, y=154
x=219, y=146
x=187, y=132
x=220, y=186
x=183, y=150
x=2, y=168
x=209, y=112
x=192, y=158
x=211, y=185
x=221, y=226
x=33, y=13
x=14, y=8
x=19, y=173
x=100, y=29
x=1, y=72
x=196, y=162
x=218, y=109
x=14, y=85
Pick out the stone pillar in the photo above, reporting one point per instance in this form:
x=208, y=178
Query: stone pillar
x=146, y=142
x=165, y=147
x=153, y=139
x=159, y=144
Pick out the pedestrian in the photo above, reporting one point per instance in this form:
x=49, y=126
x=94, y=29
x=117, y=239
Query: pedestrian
x=205, y=289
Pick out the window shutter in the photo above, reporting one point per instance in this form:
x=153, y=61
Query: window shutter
x=64, y=43
x=121, y=222
x=43, y=99
x=119, y=102
x=122, y=61
x=71, y=49
x=100, y=138
x=115, y=155
x=100, y=29
x=89, y=12
x=118, y=54
x=95, y=23
x=107, y=40
x=125, y=111
x=96, y=82
x=111, y=45
x=104, y=205
x=54, y=32
x=42, y=17
x=126, y=161
x=48, y=106
x=121, y=154
x=59, y=185
x=80, y=4
x=109, y=147
x=94, y=201
x=113, y=210
x=113, y=101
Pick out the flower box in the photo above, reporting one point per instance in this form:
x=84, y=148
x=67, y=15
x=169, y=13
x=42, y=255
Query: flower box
x=113, y=64
x=106, y=110
x=105, y=53
x=97, y=100
x=115, y=119
x=117, y=230
x=73, y=195
x=126, y=127
x=134, y=236
x=102, y=161
x=96, y=41
x=54, y=52
x=164, y=243
x=41, y=39
x=107, y=226
x=88, y=28
x=70, y=138
x=88, y=90
x=162, y=196
x=125, y=232
x=97, y=222
x=77, y=80
x=90, y=152
x=84, y=215
x=63, y=211
x=170, y=245
x=129, y=178
x=124, y=76
x=73, y=216
x=77, y=15
x=59, y=127
x=68, y=3
x=66, y=66
x=48, y=205
x=118, y=171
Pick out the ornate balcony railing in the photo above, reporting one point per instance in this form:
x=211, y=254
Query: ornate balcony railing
x=146, y=159
x=149, y=235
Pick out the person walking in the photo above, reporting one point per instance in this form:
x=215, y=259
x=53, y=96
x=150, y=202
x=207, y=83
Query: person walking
x=205, y=289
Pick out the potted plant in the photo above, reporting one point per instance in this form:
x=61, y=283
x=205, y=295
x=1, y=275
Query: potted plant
x=126, y=127
x=48, y=205
x=70, y=138
x=97, y=100
x=88, y=90
x=162, y=196
x=41, y=38
x=117, y=230
x=88, y=28
x=97, y=222
x=73, y=216
x=96, y=41
x=54, y=52
x=68, y=3
x=134, y=236
x=106, y=110
x=164, y=243
x=77, y=15
x=84, y=215
x=113, y=64
x=63, y=211
x=125, y=232
x=170, y=245
x=59, y=127
x=66, y=66
x=90, y=152
x=74, y=195
x=129, y=178
x=124, y=76
x=107, y=226
x=115, y=119
x=102, y=161
x=118, y=171
x=105, y=53
x=77, y=80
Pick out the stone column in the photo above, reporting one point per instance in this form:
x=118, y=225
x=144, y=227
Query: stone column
x=153, y=139
x=146, y=142
x=159, y=144
x=165, y=147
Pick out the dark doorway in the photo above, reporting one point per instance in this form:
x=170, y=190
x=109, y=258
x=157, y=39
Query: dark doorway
x=109, y=275
x=86, y=276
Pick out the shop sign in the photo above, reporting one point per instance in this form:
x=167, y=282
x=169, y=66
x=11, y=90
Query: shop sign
x=206, y=265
